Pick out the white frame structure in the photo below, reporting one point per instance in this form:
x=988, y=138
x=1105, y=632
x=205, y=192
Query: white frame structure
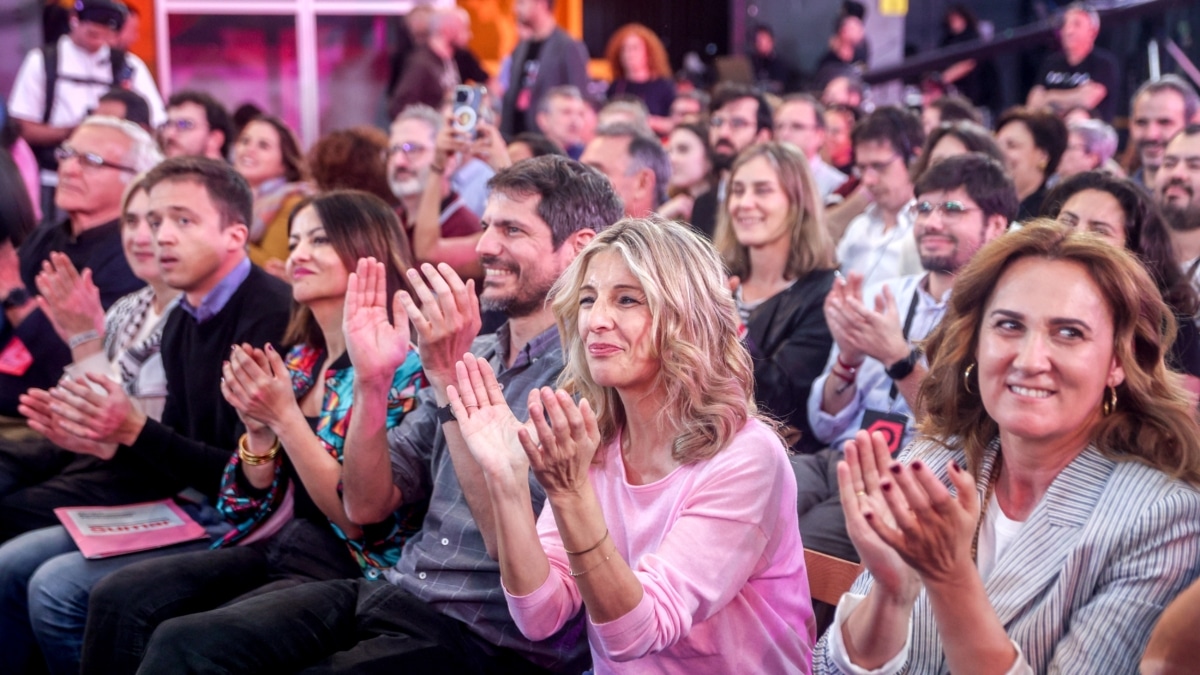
x=305, y=13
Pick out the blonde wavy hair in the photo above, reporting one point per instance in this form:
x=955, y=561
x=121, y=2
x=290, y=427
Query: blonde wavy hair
x=705, y=370
x=1152, y=422
x=811, y=245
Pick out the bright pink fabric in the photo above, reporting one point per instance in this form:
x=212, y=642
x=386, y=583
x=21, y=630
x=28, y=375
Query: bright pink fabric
x=717, y=548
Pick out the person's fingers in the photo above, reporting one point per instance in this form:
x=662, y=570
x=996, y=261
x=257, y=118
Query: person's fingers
x=574, y=417
x=868, y=460
x=557, y=416
x=466, y=390
x=590, y=423
x=537, y=415
x=478, y=386
x=278, y=368
x=352, y=293
x=935, y=492
x=882, y=453
x=965, y=486
x=457, y=405
x=492, y=386
x=422, y=324
x=851, y=456
x=914, y=495
x=399, y=310
x=849, y=491
x=429, y=304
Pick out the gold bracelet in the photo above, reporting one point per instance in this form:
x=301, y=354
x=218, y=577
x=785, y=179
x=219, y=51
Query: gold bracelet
x=576, y=575
x=588, y=550
x=250, y=459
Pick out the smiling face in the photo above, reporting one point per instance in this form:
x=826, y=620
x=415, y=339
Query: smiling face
x=137, y=239
x=1179, y=178
x=313, y=265
x=1157, y=116
x=689, y=165
x=947, y=241
x=257, y=155
x=1045, y=359
x=519, y=260
x=758, y=206
x=1095, y=211
x=409, y=170
x=615, y=325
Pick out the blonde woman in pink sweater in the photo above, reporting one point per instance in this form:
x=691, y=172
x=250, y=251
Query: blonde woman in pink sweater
x=673, y=506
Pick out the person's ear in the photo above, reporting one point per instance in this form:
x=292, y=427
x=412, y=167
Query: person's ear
x=765, y=134
x=581, y=238
x=995, y=225
x=237, y=236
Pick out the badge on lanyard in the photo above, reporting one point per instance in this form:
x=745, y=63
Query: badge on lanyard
x=15, y=359
x=890, y=424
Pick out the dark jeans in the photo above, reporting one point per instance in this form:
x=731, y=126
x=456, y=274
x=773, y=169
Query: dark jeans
x=348, y=626
x=128, y=605
x=822, y=523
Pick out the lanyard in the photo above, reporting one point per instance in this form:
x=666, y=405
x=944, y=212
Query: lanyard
x=908, y=320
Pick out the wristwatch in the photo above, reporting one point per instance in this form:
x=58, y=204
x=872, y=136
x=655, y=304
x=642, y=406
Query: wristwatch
x=446, y=414
x=904, y=367
x=17, y=297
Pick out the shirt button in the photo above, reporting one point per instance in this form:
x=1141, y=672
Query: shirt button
x=421, y=575
x=445, y=542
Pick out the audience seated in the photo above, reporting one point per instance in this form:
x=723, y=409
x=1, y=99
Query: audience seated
x=878, y=245
x=352, y=159
x=1091, y=145
x=443, y=603
x=1177, y=183
x=1033, y=142
x=800, y=120
x=1158, y=110
x=545, y=58
x=1074, y=458
x=691, y=162
x=267, y=154
x=740, y=118
x=560, y=117
x=532, y=144
x=197, y=124
x=948, y=109
x=295, y=409
x=197, y=209
x=955, y=138
x=634, y=162
x=773, y=238
x=673, y=410
x=1121, y=213
x=95, y=164
x=875, y=368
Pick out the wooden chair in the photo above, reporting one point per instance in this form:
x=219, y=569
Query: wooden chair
x=829, y=577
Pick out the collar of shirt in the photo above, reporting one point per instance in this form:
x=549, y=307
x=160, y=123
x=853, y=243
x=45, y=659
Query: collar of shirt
x=92, y=233
x=541, y=344
x=219, y=296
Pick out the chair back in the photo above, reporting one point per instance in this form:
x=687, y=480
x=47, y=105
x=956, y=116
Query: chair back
x=829, y=577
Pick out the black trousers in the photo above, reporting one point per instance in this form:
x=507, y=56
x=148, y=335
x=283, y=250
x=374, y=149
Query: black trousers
x=822, y=522
x=348, y=626
x=128, y=605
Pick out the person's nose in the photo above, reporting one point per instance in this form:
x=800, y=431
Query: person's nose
x=1033, y=355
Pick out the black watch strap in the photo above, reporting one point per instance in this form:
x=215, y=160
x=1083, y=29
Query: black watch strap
x=446, y=414
x=904, y=367
x=17, y=297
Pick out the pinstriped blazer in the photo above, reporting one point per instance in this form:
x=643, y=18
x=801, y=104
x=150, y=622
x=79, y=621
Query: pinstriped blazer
x=1081, y=586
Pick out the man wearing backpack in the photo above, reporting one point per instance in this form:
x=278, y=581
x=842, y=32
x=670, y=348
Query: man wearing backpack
x=60, y=83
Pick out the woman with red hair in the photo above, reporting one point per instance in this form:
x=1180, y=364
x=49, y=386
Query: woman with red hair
x=641, y=70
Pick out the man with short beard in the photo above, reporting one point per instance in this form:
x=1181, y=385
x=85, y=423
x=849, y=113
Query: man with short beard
x=875, y=368
x=1177, y=182
x=1160, y=108
x=740, y=118
x=411, y=154
x=197, y=126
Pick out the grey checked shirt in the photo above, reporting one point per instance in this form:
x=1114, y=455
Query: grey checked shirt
x=446, y=564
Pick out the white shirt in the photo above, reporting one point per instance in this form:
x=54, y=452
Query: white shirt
x=878, y=255
x=826, y=176
x=73, y=100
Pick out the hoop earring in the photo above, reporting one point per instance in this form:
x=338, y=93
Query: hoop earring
x=1110, y=401
x=967, y=379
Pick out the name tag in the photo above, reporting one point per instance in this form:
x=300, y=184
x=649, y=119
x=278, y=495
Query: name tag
x=891, y=425
x=15, y=359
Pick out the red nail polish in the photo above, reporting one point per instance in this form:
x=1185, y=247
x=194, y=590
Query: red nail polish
x=895, y=468
x=886, y=486
x=917, y=466
x=954, y=465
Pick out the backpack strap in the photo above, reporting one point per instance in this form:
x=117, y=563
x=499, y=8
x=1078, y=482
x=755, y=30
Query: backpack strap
x=122, y=73
x=50, y=63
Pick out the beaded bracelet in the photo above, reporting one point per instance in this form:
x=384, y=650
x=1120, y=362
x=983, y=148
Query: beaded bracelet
x=84, y=337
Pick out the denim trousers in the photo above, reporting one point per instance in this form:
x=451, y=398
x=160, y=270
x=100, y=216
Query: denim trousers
x=44, y=588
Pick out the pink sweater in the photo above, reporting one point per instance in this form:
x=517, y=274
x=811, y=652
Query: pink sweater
x=717, y=548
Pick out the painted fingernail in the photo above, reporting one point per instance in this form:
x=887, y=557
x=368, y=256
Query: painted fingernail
x=868, y=515
x=954, y=465
x=270, y=347
x=917, y=466
x=886, y=487
x=895, y=468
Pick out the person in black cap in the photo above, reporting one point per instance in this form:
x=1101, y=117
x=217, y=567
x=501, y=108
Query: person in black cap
x=60, y=83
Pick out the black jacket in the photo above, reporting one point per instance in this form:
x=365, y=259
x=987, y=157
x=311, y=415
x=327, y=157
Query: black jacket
x=790, y=343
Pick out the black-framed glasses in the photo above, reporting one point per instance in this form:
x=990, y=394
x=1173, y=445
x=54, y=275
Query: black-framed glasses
x=88, y=159
x=948, y=210
x=178, y=125
x=409, y=149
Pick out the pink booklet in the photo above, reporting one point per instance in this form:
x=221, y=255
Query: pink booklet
x=106, y=531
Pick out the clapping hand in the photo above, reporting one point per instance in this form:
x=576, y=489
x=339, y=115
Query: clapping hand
x=69, y=299
x=376, y=345
x=568, y=442
x=861, y=477
x=36, y=405
x=97, y=409
x=862, y=331
x=493, y=434
x=447, y=321
x=258, y=386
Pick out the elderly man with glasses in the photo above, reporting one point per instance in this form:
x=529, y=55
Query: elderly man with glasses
x=94, y=165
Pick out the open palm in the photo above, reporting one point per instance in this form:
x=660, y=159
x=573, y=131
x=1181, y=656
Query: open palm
x=376, y=345
x=487, y=424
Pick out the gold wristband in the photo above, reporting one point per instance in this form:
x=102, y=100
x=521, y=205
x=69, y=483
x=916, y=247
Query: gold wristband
x=576, y=575
x=589, y=549
x=250, y=459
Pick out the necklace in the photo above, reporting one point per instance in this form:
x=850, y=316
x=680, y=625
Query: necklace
x=987, y=500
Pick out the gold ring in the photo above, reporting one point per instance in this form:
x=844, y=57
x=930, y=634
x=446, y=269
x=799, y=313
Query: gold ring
x=860, y=493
